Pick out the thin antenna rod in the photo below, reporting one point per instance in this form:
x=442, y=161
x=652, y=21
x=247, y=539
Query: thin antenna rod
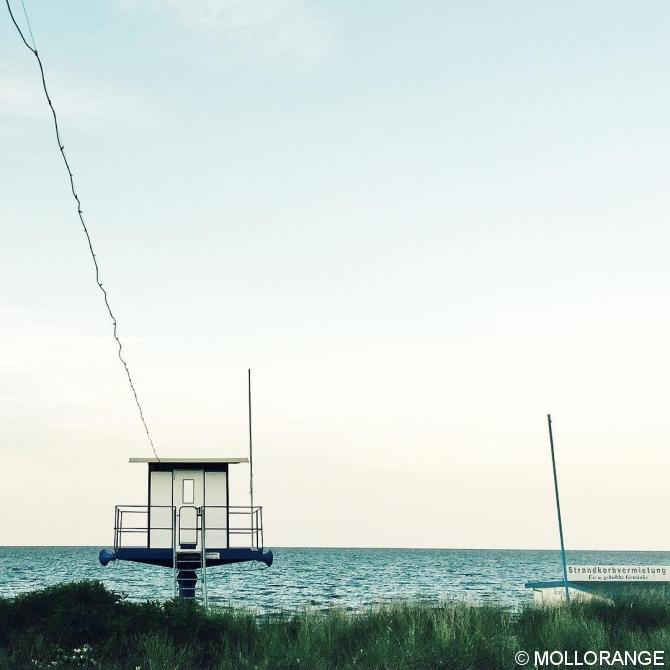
x=558, y=509
x=251, y=450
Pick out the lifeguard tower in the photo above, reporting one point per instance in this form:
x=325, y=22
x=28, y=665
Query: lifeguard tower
x=188, y=524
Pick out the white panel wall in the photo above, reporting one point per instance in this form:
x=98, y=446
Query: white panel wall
x=216, y=502
x=160, y=533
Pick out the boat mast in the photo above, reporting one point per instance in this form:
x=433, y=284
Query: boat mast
x=558, y=510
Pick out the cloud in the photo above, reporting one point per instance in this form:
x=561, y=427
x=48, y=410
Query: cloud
x=17, y=97
x=22, y=98
x=276, y=28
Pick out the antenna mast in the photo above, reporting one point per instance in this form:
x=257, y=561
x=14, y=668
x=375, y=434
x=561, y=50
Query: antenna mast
x=251, y=449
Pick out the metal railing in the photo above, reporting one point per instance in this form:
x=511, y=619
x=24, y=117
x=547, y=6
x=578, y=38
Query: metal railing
x=160, y=526
x=254, y=529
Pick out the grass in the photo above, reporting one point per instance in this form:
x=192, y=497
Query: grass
x=83, y=624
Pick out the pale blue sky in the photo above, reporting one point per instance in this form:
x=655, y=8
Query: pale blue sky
x=423, y=225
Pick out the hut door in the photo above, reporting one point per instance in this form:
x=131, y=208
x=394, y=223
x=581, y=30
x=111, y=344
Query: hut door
x=188, y=499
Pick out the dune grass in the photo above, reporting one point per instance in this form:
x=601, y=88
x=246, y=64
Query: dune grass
x=83, y=624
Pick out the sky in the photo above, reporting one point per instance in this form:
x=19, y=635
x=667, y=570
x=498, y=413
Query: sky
x=423, y=226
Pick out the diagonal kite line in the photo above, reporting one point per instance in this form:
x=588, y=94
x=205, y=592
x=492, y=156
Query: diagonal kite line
x=83, y=224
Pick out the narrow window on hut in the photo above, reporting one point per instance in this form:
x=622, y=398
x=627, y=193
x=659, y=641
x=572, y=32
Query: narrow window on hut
x=187, y=492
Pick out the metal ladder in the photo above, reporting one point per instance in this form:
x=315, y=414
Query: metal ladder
x=190, y=560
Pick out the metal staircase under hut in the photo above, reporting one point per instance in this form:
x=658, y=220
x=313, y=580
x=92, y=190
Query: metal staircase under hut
x=190, y=568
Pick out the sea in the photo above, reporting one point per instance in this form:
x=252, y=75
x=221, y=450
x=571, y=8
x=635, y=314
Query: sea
x=320, y=578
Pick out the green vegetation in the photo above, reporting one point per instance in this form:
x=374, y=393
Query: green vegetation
x=83, y=625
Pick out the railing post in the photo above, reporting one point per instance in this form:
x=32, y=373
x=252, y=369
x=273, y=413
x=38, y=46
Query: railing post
x=203, y=554
x=258, y=526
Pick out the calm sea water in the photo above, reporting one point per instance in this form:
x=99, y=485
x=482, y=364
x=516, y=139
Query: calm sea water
x=318, y=578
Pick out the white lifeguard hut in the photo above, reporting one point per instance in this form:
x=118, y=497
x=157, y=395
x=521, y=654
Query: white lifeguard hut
x=188, y=523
